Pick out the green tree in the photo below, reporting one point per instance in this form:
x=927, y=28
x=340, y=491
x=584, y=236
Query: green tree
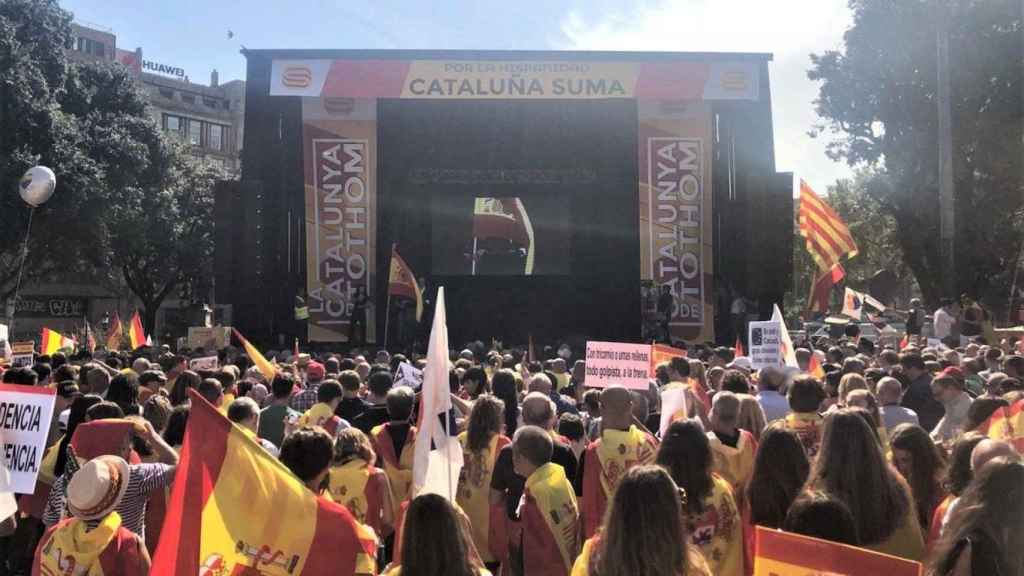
x=878, y=101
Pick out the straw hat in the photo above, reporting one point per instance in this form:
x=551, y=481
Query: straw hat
x=97, y=488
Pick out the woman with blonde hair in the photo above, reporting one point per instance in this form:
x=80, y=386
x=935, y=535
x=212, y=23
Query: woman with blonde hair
x=752, y=418
x=644, y=533
x=357, y=484
x=848, y=383
x=481, y=443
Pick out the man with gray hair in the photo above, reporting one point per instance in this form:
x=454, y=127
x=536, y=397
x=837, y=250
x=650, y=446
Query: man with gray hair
x=540, y=382
x=769, y=393
x=890, y=392
x=246, y=413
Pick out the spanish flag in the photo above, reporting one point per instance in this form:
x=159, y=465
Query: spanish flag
x=114, y=333
x=402, y=282
x=136, y=334
x=1006, y=423
x=235, y=509
x=814, y=367
x=778, y=553
x=265, y=367
x=53, y=341
x=662, y=353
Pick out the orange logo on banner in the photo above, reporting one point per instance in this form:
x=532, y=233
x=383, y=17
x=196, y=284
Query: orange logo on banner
x=297, y=77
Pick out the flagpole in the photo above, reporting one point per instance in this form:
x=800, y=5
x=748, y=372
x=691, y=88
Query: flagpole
x=387, y=306
x=473, y=271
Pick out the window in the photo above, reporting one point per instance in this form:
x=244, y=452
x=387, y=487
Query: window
x=172, y=123
x=217, y=137
x=195, y=132
x=210, y=103
x=188, y=98
x=90, y=46
x=227, y=105
x=167, y=93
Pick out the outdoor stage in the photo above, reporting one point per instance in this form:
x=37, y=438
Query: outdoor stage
x=551, y=193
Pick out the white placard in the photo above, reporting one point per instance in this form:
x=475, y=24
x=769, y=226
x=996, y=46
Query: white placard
x=204, y=363
x=765, y=340
x=25, y=413
x=409, y=375
x=618, y=363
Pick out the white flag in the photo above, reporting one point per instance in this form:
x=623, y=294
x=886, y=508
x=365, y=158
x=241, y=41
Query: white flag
x=437, y=460
x=853, y=304
x=788, y=352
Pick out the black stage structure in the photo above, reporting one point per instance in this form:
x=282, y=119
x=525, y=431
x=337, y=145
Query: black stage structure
x=593, y=292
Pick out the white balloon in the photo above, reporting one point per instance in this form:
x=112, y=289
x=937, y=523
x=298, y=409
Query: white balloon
x=37, y=185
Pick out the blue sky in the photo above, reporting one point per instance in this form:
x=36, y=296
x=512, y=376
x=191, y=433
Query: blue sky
x=192, y=34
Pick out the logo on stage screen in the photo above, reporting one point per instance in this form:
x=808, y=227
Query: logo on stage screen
x=297, y=76
x=676, y=212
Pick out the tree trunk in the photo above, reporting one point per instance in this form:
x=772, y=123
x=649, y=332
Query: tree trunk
x=149, y=317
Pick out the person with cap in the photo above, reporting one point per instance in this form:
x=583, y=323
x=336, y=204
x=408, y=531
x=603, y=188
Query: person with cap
x=113, y=437
x=94, y=539
x=304, y=400
x=151, y=383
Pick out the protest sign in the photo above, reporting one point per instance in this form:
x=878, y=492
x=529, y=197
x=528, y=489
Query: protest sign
x=409, y=375
x=765, y=340
x=618, y=363
x=662, y=353
x=25, y=414
x=778, y=553
x=209, y=337
x=204, y=363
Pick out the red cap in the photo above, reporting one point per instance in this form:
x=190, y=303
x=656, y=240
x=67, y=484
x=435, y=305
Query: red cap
x=101, y=438
x=954, y=372
x=315, y=371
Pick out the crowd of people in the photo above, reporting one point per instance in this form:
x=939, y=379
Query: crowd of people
x=886, y=451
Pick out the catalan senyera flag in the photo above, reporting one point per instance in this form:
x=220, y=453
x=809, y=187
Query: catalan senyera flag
x=235, y=509
x=258, y=359
x=828, y=238
x=52, y=341
x=505, y=218
x=136, y=334
x=663, y=353
x=402, y=282
x=114, y=333
x=778, y=553
x=1006, y=423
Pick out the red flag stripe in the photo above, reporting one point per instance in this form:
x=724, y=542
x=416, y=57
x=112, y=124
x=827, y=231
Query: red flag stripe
x=824, y=253
x=806, y=552
x=836, y=230
x=824, y=240
x=323, y=555
x=815, y=201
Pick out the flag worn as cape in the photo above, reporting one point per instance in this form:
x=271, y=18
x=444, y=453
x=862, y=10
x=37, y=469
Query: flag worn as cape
x=265, y=367
x=402, y=282
x=136, y=334
x=437, y=460
x=235, y=509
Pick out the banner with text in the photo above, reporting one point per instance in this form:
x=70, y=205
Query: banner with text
x=674, y=143
x=778, y=553
x=765, y=340
x=25, y=414
x=618, y=363
x=516, y=79
x=340, y=164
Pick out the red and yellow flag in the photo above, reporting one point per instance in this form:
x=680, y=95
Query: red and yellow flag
x=1007, y=424
x=402, y=282
x=53, y=341
x=821, y=289
x=662, y=353
x=739, y=351
x=235, y=509
x=778, y=553
x=136, y=334
x=814, y=367
x=114, y=333
x=265, y=367
x=828, y=238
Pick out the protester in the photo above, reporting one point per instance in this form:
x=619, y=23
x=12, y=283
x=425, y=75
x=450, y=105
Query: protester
x=890, y=392
x=304, y=400
x=819, y=515
x=918, y=394
x=548, y=512
x=394, y=443
x=212, y=391
x=124, y=391
x=436, y=540
x=94, y=539
x=850, y=467
x=357, y=484
x=751, y=417
x=923, y=466
x=620, y=447
x=769, y=387
x=376, y=413
x=328, y=397
x=958, y=476
x=712, y=518
x=174, y=435
x=351, y=405
x=780, y=471
x=956, y=402
x=733, y=448
x=481, y=443
x=244, y=412
x=275, y=418
x=182, y=384
x=644, y=531
x=805, y=396
x=984, y=536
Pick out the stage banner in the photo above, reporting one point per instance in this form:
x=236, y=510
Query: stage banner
x=340, y=166
x=674, y=142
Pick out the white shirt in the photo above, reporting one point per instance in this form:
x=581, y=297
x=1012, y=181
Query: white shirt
x=943, y=322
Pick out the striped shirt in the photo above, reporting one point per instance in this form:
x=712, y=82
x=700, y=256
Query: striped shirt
x=142, y=480
x=304, y=400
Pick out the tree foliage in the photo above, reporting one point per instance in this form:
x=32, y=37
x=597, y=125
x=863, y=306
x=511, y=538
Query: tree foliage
x=131, y=204
x=878, y=102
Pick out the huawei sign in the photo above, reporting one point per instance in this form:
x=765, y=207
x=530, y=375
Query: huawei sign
x=297, y=77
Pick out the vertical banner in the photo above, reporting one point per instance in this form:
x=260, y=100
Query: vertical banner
x=674, y=142
x=340, y=166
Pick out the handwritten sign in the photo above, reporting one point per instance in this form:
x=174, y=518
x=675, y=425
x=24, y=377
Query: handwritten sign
x=25, y=414
x=618, y=363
